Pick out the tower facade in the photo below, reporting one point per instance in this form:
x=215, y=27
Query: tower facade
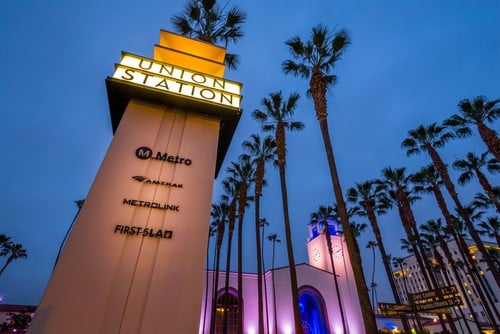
x=134, y=261
x=342, y=277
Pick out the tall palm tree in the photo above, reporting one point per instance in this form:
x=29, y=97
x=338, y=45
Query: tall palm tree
x=79, y=204
x=14, y=252
x=398, y=263
x=397, y=183
x=276, y=117
x=435, y=233
x=259, y=152
x=371, y=245
x=427, y=139
x=231, y=191
x=471, y=166
x=274, y=239
x=212, y=231
x=319, y=218
x=473, y=269
x=206, y=20
x=219, y=215
x=263, y=223
x=314, y=60
x=242, y=173
x=427, y=180
x=370, y=201
x=477, y=113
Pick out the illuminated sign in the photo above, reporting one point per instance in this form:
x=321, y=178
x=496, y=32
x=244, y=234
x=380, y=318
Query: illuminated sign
x=145, y=153
x=143, y=231
x=177, y=80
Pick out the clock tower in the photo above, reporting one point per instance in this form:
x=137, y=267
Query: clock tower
x=317, y=246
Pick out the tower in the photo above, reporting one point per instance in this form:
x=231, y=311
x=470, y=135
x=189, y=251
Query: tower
x=342, y=277
x=134, y=261
x=317, y=246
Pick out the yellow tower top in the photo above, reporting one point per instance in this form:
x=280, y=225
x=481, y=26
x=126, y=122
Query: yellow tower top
x=190, y=53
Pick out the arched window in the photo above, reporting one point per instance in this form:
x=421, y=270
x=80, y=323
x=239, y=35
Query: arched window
x=312, y=311
x=229, y=302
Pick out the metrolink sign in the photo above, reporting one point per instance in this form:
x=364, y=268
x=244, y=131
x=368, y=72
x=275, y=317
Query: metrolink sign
x=164, y=77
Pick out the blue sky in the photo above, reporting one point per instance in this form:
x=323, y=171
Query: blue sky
x=410, y=63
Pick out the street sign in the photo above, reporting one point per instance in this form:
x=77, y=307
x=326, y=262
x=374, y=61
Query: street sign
x=438, y=304
x=444, y=292
x=391, y=309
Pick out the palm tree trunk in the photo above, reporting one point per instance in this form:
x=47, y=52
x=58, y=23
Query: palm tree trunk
x=206, y=284
x=264, y=277
x=354, y=256
x=240, y=274
x=447, y=281
x=291, y=259
x=281, y=151
x=386, y=261
x=259, y=264
x=334, y=273
x=443, y=172
x=214, y=292
x=414, y=311
x=9, y=260
x=449, y=257
x=232, y=218
x=490, y=139
x=274, y=294
x=482, y=291
x=427, y=271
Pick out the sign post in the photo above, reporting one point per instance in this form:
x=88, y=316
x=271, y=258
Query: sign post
x=134, y=261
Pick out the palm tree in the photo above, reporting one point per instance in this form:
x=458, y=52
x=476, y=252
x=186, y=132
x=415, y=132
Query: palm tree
x=398, y=263
x=427, y=139
x=4, y=244
x=79, y=204
x=209, y=22
x=262, y=224
x=371, y=245
x=471, y=166
x=396, y=183
x=483, y=201
x=314, y=60
x=242, y=173
x=427, y=180
x=371, y=201
x=14, y=252
x=434, y=233
x=231, y=190
x=260, y=152
x=274, y=239
x=212, y=231
x=491, y=228
x=219, y=215
x=276, y=117
x=477, y=113
x=321, y=217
